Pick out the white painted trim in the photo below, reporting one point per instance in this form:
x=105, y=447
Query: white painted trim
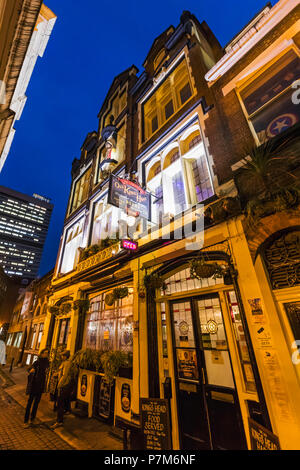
x=161, y=76
x=282, y=43
x=271, y=19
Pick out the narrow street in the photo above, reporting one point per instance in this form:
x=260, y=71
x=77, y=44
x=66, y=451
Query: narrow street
x=13, y=436
x=78, y=433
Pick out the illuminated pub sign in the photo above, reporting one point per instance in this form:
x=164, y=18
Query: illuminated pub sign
x=130, y=197
x=129, y=245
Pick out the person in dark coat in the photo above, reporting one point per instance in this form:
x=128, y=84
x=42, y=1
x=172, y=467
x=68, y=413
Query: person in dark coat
x=36, y=386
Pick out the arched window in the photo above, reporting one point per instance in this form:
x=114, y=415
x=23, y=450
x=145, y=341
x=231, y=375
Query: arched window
x=282, y=259
x=194, y=152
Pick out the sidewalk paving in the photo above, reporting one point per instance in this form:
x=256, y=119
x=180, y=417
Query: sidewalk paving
x=81, y=433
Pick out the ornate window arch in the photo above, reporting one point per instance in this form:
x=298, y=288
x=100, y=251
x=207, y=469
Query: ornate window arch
x=281, y=254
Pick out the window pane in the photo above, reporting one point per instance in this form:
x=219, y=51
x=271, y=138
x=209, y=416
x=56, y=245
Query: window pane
x=158, y=204
x=272, y=82
x=178, y=191
x=241, y=342
x=154, y=124
x=169, y=109
x=202, y=182
x=185, y=93
x=277, y=117
x=195, y=141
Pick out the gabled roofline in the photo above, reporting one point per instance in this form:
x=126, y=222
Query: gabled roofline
x=133, y=67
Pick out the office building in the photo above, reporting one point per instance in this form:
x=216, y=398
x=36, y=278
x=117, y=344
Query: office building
x=24, y=222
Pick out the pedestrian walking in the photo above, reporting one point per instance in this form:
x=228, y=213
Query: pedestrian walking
x=2, y=353
x=64, y=389
x=36, y=386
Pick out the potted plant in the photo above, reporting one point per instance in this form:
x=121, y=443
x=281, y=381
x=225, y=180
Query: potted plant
x=88, y=359
x=93, y=250
x=112, y=361
x=201, y=269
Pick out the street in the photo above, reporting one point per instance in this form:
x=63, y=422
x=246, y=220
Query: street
x=13, y=436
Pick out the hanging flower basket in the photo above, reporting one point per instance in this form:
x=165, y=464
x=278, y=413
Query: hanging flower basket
x=109, y=299
x=154, y=281
x=200, y=269
x=120, y=292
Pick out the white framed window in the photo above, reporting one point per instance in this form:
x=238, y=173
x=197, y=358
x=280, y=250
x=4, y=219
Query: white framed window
x=266, y=98
x=180, y=176
x=73, y=240
x=169, y=97
x=105, y=221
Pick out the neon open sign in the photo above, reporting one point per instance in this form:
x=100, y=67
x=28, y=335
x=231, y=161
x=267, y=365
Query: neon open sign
x=129, y=245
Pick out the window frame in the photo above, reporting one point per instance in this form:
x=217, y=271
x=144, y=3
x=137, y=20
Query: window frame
x=75, y=182
x=174, y=95
x=242, y=86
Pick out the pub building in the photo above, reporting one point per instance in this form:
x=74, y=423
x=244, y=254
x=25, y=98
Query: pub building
x=210, y=296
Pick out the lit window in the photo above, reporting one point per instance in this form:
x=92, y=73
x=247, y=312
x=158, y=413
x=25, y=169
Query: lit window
x=81, y=188
x=167, y=99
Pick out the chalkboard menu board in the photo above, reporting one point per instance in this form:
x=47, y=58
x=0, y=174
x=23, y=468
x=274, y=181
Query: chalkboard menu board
x=261, y=438
x=155, y=418
x=104, y=403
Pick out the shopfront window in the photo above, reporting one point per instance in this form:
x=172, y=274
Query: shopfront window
x=17, y=340
x=182, y=281
x=268, y=98
x=34, y=336
x=64, y=327
x=9, y=339
x=40, y=334
x=109, y=327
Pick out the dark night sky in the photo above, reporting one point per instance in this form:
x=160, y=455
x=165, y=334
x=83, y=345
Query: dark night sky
x=91, y=43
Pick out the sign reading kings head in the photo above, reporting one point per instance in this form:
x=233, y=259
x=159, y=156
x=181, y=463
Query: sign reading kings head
x=130, y=197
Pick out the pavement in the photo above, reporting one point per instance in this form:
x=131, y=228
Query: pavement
x=78, y=433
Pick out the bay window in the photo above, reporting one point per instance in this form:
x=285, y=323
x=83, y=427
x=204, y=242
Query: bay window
x=180, y=178
x=170, y=96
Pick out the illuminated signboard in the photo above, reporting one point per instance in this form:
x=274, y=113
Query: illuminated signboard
x=129, y=245
x=130, y=197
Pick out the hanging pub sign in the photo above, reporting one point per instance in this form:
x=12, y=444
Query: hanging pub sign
x=155, y=418
x=130, y=197
x=261, y=438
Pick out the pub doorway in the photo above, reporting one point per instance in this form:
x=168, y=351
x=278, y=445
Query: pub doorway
x=207, y=401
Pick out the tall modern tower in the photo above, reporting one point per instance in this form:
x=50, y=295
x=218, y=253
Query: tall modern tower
x=24, y=222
